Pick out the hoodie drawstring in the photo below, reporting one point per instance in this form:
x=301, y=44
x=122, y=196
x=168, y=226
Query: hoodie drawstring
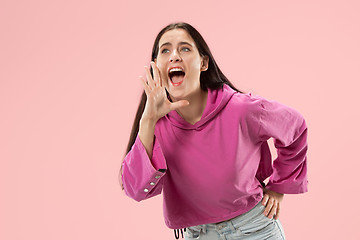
x=177, y=233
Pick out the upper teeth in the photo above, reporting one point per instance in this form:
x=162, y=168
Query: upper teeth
x=175, y=69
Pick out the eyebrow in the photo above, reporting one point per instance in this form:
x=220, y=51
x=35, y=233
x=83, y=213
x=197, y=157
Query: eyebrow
x=180, y=43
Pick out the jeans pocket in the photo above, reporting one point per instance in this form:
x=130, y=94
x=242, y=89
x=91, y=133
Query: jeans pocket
x=258, y=226
x=281, y=229
x=258, y=229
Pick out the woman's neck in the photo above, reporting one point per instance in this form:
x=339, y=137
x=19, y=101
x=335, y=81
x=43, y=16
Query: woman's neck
x=193, y=112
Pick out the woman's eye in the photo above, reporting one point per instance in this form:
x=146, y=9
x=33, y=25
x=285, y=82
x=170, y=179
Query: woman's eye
x=186, y=48
x=164, y=50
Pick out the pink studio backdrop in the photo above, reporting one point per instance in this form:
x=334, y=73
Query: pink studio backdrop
x=69, y=90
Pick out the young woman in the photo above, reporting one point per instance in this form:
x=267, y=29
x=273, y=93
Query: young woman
x=203, y=143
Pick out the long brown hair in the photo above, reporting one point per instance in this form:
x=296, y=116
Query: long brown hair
x=213, y=78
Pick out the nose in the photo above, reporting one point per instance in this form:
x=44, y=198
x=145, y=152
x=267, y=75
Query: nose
x=174, y=57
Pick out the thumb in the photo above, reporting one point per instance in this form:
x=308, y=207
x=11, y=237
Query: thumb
x=179, y=104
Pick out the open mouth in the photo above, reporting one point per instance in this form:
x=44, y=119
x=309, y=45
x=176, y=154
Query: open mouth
x=176, y=76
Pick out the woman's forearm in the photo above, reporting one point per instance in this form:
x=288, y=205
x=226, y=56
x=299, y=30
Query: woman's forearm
x=146, y=134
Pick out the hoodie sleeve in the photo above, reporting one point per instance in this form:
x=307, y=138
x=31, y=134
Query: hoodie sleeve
x=142, y=178
x=288, y=129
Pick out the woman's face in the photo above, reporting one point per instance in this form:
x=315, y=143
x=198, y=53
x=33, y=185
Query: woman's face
x=177, y=49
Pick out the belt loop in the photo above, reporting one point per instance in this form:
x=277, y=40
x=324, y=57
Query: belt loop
x=204, y=228
x=231, y=225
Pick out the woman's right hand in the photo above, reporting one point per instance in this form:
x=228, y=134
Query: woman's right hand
x=157, y=103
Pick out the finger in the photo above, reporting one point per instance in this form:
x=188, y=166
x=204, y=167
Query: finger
x=268, y=206
x=160, y=79
x=265, y=199
x=272, y=211
x=178, y=104
x=150, y=81
x=156, y=74
x=143, y=82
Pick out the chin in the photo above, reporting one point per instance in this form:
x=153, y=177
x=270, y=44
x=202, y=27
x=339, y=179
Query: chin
x=182, y=95
x=182, y=92
x=177, y=95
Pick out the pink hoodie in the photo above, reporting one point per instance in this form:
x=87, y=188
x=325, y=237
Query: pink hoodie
x=214, y=167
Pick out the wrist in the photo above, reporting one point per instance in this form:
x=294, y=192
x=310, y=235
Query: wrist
x=147, y=122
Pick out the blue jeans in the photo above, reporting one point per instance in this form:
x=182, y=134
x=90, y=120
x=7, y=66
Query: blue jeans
x=252, y=225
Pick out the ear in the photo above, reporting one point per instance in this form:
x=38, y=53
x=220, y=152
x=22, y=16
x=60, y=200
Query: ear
x=205, y=63
x=155, y=60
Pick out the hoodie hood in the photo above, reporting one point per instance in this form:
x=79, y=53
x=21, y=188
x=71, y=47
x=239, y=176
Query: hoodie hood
x=216, y=101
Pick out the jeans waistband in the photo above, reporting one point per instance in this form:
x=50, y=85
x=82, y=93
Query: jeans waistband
x=234, y=222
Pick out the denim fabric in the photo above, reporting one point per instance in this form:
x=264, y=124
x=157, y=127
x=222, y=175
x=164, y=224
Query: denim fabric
x=252, y=225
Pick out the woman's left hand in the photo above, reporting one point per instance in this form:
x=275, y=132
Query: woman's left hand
x=271, y=201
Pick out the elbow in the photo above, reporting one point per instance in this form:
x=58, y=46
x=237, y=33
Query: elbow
x=137, y=196
x=134, y=192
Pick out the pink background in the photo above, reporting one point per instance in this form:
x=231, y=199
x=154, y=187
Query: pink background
x=69, y=90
